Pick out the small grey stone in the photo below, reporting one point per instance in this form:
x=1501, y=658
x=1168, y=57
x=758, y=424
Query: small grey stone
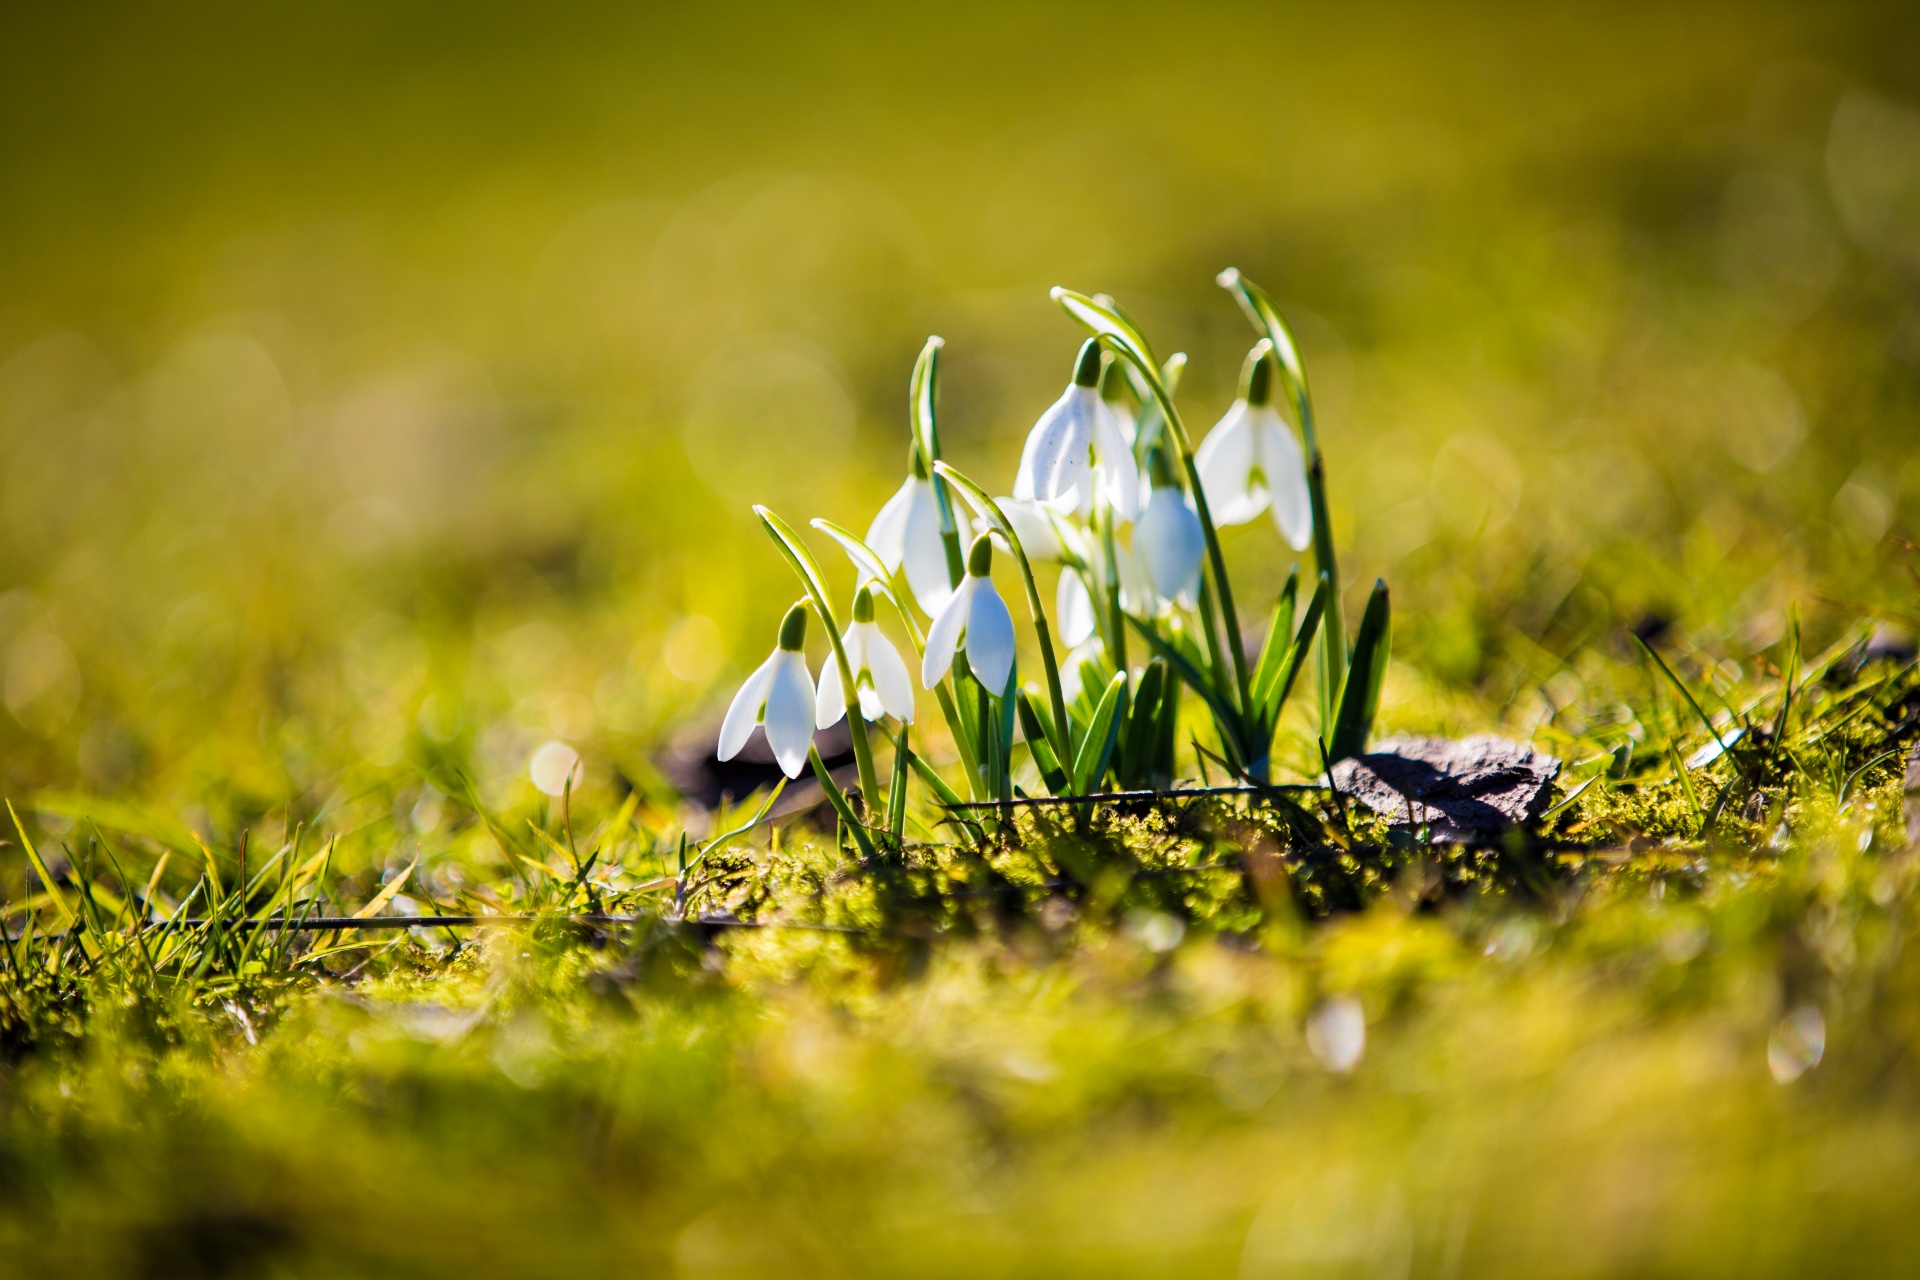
x=1478, y=784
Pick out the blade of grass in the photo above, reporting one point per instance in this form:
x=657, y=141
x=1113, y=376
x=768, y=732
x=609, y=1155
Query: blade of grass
x=1360, y=692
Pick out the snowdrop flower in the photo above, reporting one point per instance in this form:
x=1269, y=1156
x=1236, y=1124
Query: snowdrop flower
x=1250, y=461
x=778, y=695
x=907, y=530
x=1116, y=475
x=1031, y=525
x=1168, y=543
x=1073, y=606
x=1055, y=457
x=977, y=617
x=879, y=674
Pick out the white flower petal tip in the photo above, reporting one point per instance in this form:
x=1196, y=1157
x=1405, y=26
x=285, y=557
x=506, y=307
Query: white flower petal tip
x=1057, y=448
x=1030, y=524
x=906, y=532
x=989, y=637
x=829, y=700
x=1249, y=462
x=1169, y=544
x=943, y=637
x=779, y=696
x=892, y=686
x=744, y=711
x=789, y=712
x=885, y=687
x=1286, y=471
x=1117, y=473
x=1074, y=607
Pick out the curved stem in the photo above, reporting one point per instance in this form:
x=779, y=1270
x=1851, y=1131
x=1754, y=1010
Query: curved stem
x=1004, y=527
x=808, y=570
x=1223, y=590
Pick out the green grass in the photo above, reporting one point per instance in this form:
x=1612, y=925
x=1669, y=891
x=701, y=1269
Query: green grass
x=383, y=395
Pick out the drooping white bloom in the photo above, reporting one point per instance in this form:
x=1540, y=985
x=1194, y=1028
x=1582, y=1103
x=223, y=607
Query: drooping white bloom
x=1073, y=606
x=878, y=672
x=778, y=695
x=976, y=617
x=1055, y=457
x=907, y=531
x=1168, y=544
x=1250, y=461
x=1116, y=475
x=1031, y=525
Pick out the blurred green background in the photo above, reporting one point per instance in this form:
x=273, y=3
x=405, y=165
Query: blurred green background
x=379, y=379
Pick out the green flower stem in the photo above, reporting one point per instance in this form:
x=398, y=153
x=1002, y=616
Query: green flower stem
x=922, y=390
x=1110, y=591
x=1051, y=665
x=1119, y=334
x=839, y=803
x=1266, y=319
x=870, y=564
x=808, y=570
x=1223, y=589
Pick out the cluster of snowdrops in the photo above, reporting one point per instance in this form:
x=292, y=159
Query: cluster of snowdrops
x=1111, y=489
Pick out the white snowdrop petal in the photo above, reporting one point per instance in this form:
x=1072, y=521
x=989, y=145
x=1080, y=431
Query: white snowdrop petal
x=989, y=637
x=943, y=637
x=891, y=682
x=1136, y=592
x=870, y=707
x=887, y=534
x=744, y=711
x=925, y=552
x=1225, y=462
x=790, y=712
x=1031, y=526
x=1056, y=452
x=1286, y=468
x=1119, y=473
x=1169, y=544
x=829, y=700
x=1073, y=606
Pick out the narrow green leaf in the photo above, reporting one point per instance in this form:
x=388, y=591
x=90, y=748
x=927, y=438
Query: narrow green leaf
x=897, y=793
x=946, y=796
x=1279, y=641
x=1167, y=732
x=1138, y=743
x=1033, y=726
x=58, y=899
x=1360, y=697
x=839, y=803
x=1270, y=699
x=1222, y=707
x=1004, y=745
x=1107, y=322
x=1096, y=749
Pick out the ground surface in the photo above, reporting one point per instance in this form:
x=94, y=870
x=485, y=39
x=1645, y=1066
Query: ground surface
x=383, y=392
